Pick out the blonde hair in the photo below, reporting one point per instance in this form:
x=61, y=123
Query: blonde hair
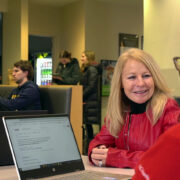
x=117, y=106
x=90, y=55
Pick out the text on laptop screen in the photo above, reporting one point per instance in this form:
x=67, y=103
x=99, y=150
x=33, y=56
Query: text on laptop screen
x=42, y=141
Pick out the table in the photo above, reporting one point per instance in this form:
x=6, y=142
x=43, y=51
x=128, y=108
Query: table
x=124, y=171
x=9, y=172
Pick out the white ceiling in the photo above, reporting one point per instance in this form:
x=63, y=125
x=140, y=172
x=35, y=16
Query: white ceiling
x=65, y=2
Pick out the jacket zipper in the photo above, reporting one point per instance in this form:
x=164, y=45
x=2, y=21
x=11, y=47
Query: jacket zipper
x=127, y=142
x=127, y=134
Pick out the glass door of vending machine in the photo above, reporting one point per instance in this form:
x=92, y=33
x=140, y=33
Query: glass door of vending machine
x=44, y=71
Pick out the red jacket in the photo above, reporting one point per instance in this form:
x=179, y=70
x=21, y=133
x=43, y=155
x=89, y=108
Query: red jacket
x=162, y=160
x=128, y=148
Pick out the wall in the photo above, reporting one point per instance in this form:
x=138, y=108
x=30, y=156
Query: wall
x=161, y=32
x=15, y=31
x=24, y=29
x=1, y=17
x=3, y=5
x=73, y=28
x=103, y=23
x=105, y=20
x=65, y=24
x=45, y=21
x=86, y=24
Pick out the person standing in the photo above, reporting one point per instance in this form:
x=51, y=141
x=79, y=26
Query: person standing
x=26, y=96
x=90, y=82
x=68, y=70
x=140, y=109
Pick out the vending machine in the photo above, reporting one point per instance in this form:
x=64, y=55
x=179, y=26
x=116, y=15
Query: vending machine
x=44, y=71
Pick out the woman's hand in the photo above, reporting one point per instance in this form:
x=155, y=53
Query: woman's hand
x=99, y=155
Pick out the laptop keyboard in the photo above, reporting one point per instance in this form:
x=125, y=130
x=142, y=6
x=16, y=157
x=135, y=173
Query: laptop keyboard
x=93, y=175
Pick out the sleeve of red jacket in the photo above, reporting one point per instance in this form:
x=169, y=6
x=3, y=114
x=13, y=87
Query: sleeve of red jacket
x=116, y=157
x=171, y=115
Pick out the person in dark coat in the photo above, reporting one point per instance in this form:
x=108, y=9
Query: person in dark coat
x=68, y=70
x=90, y=84
x=26, y=96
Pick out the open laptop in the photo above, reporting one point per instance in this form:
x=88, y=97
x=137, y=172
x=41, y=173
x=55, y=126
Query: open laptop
x=45, y=147
x=5, y=153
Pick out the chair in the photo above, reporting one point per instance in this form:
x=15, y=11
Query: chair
x=56, y=100
x=5, y=91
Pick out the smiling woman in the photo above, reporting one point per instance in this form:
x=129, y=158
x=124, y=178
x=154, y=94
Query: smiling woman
x=137, y=81
x=140, y=109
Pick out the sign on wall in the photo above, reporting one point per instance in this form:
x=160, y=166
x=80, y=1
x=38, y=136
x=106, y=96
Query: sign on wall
x=107, y=73
x=127, y=41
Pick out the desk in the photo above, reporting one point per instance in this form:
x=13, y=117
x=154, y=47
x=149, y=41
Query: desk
x=9, y=172
x=90, y=167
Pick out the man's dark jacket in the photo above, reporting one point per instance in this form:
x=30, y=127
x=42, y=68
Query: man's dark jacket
x=25, y=97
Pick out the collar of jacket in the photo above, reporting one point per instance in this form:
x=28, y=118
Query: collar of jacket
x=24, y=85
x=137, y=108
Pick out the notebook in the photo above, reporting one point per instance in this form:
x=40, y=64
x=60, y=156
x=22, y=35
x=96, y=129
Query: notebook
x=44, y=146
x=5, y=153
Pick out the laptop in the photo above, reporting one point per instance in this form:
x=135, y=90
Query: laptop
x=5, y=153
x=44, y=147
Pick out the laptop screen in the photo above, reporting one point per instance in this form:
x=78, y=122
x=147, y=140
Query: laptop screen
x=5, y=153
x=43, y=144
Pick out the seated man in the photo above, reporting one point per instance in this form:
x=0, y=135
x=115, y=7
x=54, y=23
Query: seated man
x=26, y=96
x=162, y=160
